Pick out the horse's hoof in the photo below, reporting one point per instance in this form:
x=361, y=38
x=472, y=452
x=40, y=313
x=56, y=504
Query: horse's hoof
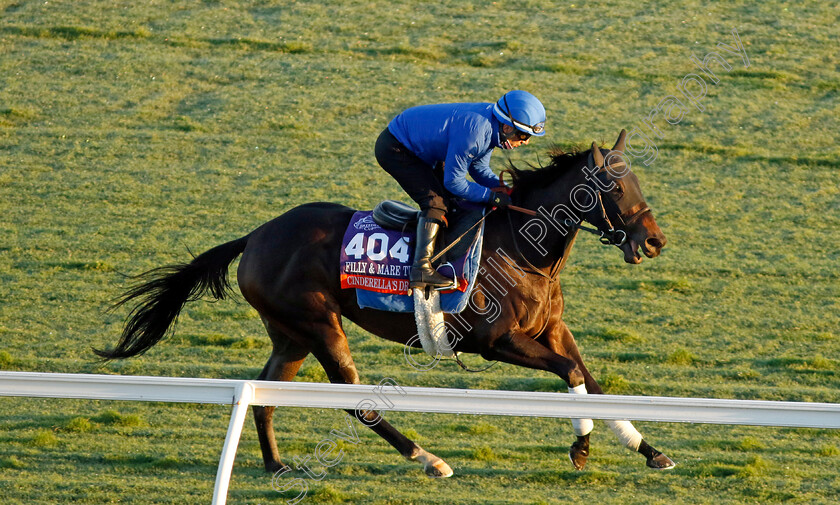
x=438, y=470
x=578, y=455
x=659, y=461
x=434, y=467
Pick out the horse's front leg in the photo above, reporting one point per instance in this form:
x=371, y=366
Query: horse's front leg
x=523, y=351
x=559, y=339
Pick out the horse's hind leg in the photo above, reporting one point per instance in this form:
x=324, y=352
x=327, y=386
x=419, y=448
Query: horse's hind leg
x=333, y=353
x=284, y=363
x=563, y=343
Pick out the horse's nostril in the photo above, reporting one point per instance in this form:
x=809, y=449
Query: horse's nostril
x=654, y=243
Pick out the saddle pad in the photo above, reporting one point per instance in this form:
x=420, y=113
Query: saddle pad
x=376, y=261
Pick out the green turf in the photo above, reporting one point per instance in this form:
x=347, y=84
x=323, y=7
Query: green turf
x=134, y=132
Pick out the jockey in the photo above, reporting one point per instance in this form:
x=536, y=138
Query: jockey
x=462, y=136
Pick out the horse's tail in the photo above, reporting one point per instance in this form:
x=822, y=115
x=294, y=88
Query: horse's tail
x=163, y=295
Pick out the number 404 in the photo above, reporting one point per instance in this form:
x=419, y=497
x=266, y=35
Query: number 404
x=376, y=248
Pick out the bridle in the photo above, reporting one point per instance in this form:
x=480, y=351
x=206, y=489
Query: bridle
x=631, y=205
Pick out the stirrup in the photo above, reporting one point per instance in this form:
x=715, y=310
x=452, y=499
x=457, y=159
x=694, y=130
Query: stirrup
x=439, y=287
x=453, y=283
x=424, y=282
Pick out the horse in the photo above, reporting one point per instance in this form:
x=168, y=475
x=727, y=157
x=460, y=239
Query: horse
x=289, y=273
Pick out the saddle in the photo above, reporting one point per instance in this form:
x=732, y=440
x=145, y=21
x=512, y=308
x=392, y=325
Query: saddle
x=396, y=215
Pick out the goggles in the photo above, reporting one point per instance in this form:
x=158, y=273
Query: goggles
x=527, y=129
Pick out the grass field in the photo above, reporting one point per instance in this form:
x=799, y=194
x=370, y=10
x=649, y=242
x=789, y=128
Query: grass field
x=131, y=132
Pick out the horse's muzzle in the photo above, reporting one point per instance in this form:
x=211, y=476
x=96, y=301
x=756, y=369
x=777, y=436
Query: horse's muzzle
x=653, y=246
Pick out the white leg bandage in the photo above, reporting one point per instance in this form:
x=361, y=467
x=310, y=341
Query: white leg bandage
x=625, y=432
x=582, y=426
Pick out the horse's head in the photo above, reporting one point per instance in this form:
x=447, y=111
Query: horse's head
x=623, y=214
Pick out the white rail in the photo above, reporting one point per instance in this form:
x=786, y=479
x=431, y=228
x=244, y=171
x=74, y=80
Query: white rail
x=240, y=394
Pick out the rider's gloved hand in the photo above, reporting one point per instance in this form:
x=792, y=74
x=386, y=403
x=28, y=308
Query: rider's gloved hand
x=500, y=200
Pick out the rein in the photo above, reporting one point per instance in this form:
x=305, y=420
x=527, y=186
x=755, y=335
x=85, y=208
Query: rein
x=607, y=237
x=450, y=246
x=607, y=234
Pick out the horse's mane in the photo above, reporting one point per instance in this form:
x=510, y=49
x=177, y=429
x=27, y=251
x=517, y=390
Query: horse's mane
x=537, y=176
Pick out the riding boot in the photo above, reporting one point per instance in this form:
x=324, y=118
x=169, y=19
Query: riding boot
x=422, y=273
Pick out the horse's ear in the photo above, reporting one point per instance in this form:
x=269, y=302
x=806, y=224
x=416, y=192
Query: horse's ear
x=597, y=156
x=619, y=145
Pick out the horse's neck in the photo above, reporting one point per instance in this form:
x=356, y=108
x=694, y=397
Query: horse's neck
x=552, y=251
x=567, y=250
x=508, y=254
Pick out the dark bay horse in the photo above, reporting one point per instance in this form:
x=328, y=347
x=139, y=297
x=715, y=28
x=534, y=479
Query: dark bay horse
x=289, y=272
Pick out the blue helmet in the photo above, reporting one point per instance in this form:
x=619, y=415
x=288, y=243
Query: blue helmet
x=522, y=110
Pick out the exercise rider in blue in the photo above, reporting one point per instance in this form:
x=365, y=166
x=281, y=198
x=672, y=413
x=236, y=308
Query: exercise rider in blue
x=462, y=136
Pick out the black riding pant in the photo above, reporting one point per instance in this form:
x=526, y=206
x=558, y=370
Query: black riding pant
x=422, y=182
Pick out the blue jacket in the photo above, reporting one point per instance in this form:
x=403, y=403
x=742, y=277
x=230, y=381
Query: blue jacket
x=462, y=135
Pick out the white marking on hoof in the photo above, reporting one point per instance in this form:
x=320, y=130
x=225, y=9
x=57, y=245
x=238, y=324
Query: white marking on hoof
x=660, y=461
x=434, y=467
x=572, y=461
